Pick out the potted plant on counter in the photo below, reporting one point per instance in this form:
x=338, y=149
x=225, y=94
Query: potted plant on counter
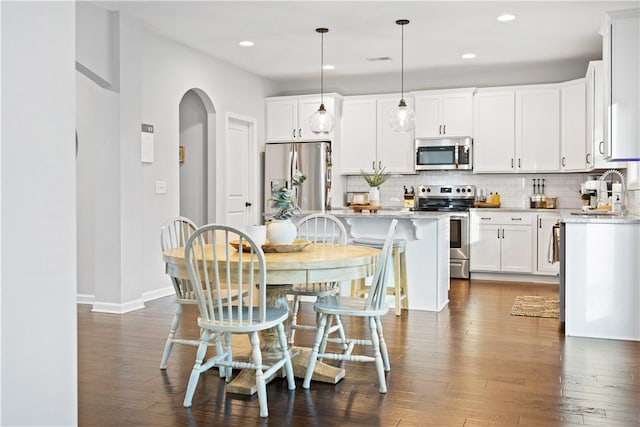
x=280, y=230
x=375, y=180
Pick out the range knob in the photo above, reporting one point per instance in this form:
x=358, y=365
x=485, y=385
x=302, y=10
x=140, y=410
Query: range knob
x=458, y=190
x=428, y=190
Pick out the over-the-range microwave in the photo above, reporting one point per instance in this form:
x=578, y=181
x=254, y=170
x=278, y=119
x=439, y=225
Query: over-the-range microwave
x=444, y=153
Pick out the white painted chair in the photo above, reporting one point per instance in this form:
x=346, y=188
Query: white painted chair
x=210, y=265
x=318, y=228
x=174, y=234
x=370, y=309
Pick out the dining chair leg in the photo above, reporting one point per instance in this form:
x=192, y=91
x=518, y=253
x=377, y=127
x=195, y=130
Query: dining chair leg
x=327, y=331
x=260, y=384
x=341, y=334
x=313, y=357
x=228, y=356
x=288, y=366
x=294, y=319
x=378, y=356
x=197, y=368
x=383, y=346
x=172, y=336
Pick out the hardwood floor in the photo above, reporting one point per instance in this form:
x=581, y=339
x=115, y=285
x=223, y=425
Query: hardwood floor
x=473, y=364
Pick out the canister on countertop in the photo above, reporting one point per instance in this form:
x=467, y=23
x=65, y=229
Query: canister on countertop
x=409, y=198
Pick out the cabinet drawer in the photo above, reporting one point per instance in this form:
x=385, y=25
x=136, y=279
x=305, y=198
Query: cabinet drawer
x=501, y=217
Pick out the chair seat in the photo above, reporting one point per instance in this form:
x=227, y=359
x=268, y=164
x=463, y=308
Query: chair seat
x=313, y=289
x=234, y=325
x=347, y=306
x=400, y=244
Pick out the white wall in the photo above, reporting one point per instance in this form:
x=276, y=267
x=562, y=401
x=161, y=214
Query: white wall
x=39, y=351
x=154, y=75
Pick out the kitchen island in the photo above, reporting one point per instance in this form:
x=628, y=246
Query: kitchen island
x=601, y=266
x=427, y=250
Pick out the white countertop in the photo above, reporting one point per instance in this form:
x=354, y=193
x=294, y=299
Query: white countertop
x=398, y=213
x=577, y=217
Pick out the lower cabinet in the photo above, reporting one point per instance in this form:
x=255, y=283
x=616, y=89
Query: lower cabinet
x=501, y=242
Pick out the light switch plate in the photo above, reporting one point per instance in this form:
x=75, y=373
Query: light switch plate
x=161, y=187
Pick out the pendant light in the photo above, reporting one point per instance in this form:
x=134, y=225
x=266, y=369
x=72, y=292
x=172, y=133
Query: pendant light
x=402, y=117
x=321, y=121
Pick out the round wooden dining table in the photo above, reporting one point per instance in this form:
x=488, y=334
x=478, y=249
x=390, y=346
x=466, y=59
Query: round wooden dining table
x=317, y=262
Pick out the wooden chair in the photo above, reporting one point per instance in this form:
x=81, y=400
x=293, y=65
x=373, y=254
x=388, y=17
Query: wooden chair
x=371, y=309
x=211, y=266
x=319, y=228
x=174, y=234
x=399, y=289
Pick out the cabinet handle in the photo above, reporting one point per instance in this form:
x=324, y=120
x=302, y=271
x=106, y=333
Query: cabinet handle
x=503, y=233
x=485, y=217
x=300, y=133
x=516, y=219
x=601, y=147
x=498, y=233
x=293, y=133
x=540, y=223
x=564, y=161
x=511, y=163
x=519, y=164
x=587, y=158
x=379, y=164
x=444, y=129
x=440, y=130
x=373, y=164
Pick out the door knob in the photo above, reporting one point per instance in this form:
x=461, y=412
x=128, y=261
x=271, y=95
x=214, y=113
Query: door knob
x=247, y=204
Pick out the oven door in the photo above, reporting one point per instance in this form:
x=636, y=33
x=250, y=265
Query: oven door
x=459, y=245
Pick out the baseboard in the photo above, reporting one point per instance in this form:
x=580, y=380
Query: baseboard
x=158, y=293
x=107, y=307
x=85, y=299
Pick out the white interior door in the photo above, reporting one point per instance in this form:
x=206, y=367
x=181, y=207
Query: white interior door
x=241, y=165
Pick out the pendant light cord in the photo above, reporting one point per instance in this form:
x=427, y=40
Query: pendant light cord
x=321, y=68
x=402, y=65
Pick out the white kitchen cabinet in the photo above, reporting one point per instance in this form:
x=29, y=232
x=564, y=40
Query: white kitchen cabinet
x=494, y=131
x=573, y=126
x=621, y=58
x=445, y=113
x=368, y=139
x=595, y=154
x=501, y=242
x=288, y=117
x=544, y=225
x=538, y=129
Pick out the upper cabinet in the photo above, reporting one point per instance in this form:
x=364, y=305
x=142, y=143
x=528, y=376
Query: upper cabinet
x=288, y=117
x=443, y=113
x=573, y=126
x=538, y=129
x=595, y=153
x=494, y=131
x=621, y=57
x=367, y=137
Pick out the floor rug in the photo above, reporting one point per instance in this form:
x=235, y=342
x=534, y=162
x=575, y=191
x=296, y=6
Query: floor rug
x=534, y=306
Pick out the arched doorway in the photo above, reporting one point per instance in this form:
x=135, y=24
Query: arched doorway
x=197, y=118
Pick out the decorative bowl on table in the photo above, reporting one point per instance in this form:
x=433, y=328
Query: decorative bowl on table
x=298, y=245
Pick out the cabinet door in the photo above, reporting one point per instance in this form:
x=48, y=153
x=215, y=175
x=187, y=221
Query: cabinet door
x=395, y=150
x=282, y=120
x=538, y=130
x=485, y=247
x=457, y=114
x=494, y=132
x=428, y=121
x=516, y=249
x=359, y=135
x=543, y=238
x=573, y=124
x=306, y=108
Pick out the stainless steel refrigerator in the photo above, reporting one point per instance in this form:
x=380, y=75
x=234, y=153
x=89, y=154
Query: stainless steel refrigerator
x=313, y=159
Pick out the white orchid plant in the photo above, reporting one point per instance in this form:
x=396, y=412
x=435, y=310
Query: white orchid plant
x=283, y=199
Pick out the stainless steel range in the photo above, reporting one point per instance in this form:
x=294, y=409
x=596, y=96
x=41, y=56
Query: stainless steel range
x=456, y=199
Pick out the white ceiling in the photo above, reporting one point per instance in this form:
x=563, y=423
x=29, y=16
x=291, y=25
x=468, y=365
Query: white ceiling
x=545, y=35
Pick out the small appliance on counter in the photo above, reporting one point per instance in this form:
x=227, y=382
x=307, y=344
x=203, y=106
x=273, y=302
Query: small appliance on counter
x=604, y=196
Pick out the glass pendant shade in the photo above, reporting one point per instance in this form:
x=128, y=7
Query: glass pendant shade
x=402, y=118
x=321, y=121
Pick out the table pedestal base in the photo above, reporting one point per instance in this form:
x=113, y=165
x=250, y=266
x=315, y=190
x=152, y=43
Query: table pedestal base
x=245, y=381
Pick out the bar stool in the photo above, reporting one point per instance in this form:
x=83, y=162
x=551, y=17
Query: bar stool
x=399, y=289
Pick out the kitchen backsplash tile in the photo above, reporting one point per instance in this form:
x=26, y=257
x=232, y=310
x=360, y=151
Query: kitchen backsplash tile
x=514, y=190
x=633, y=202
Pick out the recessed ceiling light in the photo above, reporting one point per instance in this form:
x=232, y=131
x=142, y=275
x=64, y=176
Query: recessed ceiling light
x=246, y=43
x=328, y=67
x=506, y=17
x=468, y=55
